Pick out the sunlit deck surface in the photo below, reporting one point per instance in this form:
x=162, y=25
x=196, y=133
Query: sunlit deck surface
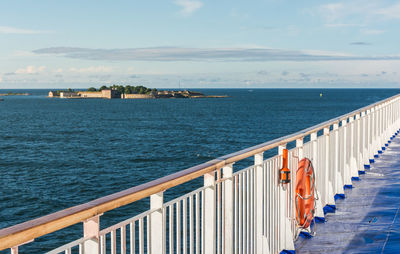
x=368, y=219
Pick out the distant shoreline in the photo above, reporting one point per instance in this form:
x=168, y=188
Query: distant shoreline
x=14, y=94
x=121, y=93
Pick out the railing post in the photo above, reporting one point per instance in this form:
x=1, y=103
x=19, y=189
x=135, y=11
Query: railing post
x=394, y=117
x=338, y=176
x=354, y=137
x=372, y=136
x=383, y=130
x=156, y=224
x=14, y=250
x=299, y=145
x=368, y=125
x=91, y=229
x=381, y=127
x=329, y=194
x=377, y=123
x=358, y=151
x=364, y=141
x=314, y=158
x=376, y=150
x=228, y=214
x=389, y=119
x=285, y=235
x=378, y=130
x=396, y=120
x=345, y=168
x=386, y=120
x=209, y=213
x=262, y=244
x=395, y=109
x=318, y=175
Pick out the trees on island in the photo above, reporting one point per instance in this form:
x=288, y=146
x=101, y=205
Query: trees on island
x=126, y=89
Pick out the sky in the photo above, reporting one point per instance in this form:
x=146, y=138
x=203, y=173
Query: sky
x=199, y=43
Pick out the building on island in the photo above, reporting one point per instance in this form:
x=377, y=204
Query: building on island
x=53, y=94
x=105, y=94
x=88, y=94
x=137, y=96
x=68, y=95
x=110, y=93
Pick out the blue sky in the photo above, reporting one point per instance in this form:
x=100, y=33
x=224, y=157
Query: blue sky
x=199, y=43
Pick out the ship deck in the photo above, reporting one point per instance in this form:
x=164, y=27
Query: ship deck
x=367, y=220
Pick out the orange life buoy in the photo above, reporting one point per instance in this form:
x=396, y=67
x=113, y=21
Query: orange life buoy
x=305, y=193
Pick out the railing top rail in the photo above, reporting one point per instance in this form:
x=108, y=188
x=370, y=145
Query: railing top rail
x=26, y=231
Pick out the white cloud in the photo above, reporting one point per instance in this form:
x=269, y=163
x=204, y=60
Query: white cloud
x=22, y=53
x=372, y=31
x=14, y=30
x=174, y=54
x=390, y=12
x=238, y=14
x=332, y=12
x=91, y=69
x=30, y=70
x=357, y=12
x=340, y=25
x=188, y=6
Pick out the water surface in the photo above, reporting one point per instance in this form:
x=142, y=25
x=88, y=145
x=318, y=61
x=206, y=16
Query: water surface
x=57, y=153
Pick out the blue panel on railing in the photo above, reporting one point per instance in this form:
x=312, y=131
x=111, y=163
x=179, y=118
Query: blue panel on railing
x=329, y=209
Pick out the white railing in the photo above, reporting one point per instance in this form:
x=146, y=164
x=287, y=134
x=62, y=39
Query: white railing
x=247, y=211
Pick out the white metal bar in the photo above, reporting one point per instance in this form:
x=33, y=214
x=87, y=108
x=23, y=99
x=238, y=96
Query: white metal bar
x=113, y=242
x=184, y=226
x=240, y=197
x=228, y=209
x=148, y=237
x=218, y=192
x=236, y=213
x=156, y=224
x=123, y=239
x=171, y=228
x=259, y=219
x=197, y=196
x=191, y=229
x=132, y=240
x=209, y=213
x=247, y=217
x=103, y=244
x=178, y=227
x=141, y=236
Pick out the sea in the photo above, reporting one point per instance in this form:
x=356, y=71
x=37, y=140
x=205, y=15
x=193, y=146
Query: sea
x=57, y=153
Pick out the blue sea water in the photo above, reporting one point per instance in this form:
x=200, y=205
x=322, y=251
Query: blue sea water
x=57, y=153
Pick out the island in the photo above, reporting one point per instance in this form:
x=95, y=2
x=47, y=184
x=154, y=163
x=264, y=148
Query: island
x=128, y=92
x=12, y=94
